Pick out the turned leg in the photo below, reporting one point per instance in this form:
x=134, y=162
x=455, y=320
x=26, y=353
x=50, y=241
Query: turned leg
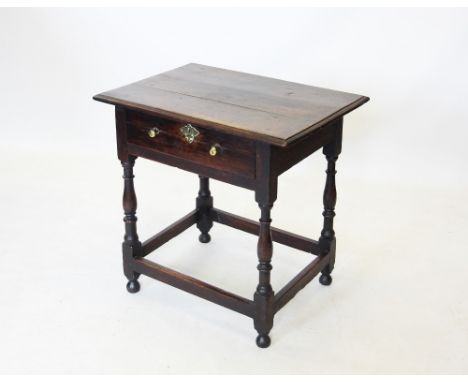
x=204, y=205
x=131, y=246
x=327, y=239
x=264, y=295
x=265, y=196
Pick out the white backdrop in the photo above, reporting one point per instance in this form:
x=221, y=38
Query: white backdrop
x=397, y=303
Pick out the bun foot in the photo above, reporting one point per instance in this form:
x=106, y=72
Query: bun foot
x=263, y=340
x=133, y=286
x=325, y=279
x=204, y=238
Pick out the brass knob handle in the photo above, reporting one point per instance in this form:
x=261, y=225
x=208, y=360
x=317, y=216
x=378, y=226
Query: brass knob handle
x=189, y=132
x=153, y=132
x=215, y=149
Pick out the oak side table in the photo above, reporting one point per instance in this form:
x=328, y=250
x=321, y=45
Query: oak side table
x=238, y=128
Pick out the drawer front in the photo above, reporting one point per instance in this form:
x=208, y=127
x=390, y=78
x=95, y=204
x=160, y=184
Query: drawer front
x=192, y=143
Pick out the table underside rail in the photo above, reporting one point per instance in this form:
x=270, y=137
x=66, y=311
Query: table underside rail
x=169, y=233
x=194, y=286
x=300, y=281
x=213, y=293
x=278, y=235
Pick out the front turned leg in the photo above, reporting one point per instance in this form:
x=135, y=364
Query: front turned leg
x=327, y=239
x=204, y=205
x=264, y=295
x=131, y=245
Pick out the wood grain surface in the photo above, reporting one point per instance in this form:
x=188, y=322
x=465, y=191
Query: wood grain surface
x=256, y=107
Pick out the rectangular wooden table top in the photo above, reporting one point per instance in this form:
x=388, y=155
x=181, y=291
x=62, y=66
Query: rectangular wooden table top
x=255, y=107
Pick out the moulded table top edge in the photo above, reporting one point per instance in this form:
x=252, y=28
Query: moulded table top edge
x=330, y=118
x=188, y=118
x=289, y=125
x=235, y=131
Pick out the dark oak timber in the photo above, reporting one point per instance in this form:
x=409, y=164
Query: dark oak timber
x=185, y=164
x=258, y=108
x=265, y=196
x=194, y=286
x=278, y=235
x=327, y=239
x=238, y=128
x=204, y=206
x=236, y=155
x=300, y=281
x=169, y=233
x=131, y=246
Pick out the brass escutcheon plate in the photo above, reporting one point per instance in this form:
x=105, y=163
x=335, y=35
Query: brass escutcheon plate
x=189, y=132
